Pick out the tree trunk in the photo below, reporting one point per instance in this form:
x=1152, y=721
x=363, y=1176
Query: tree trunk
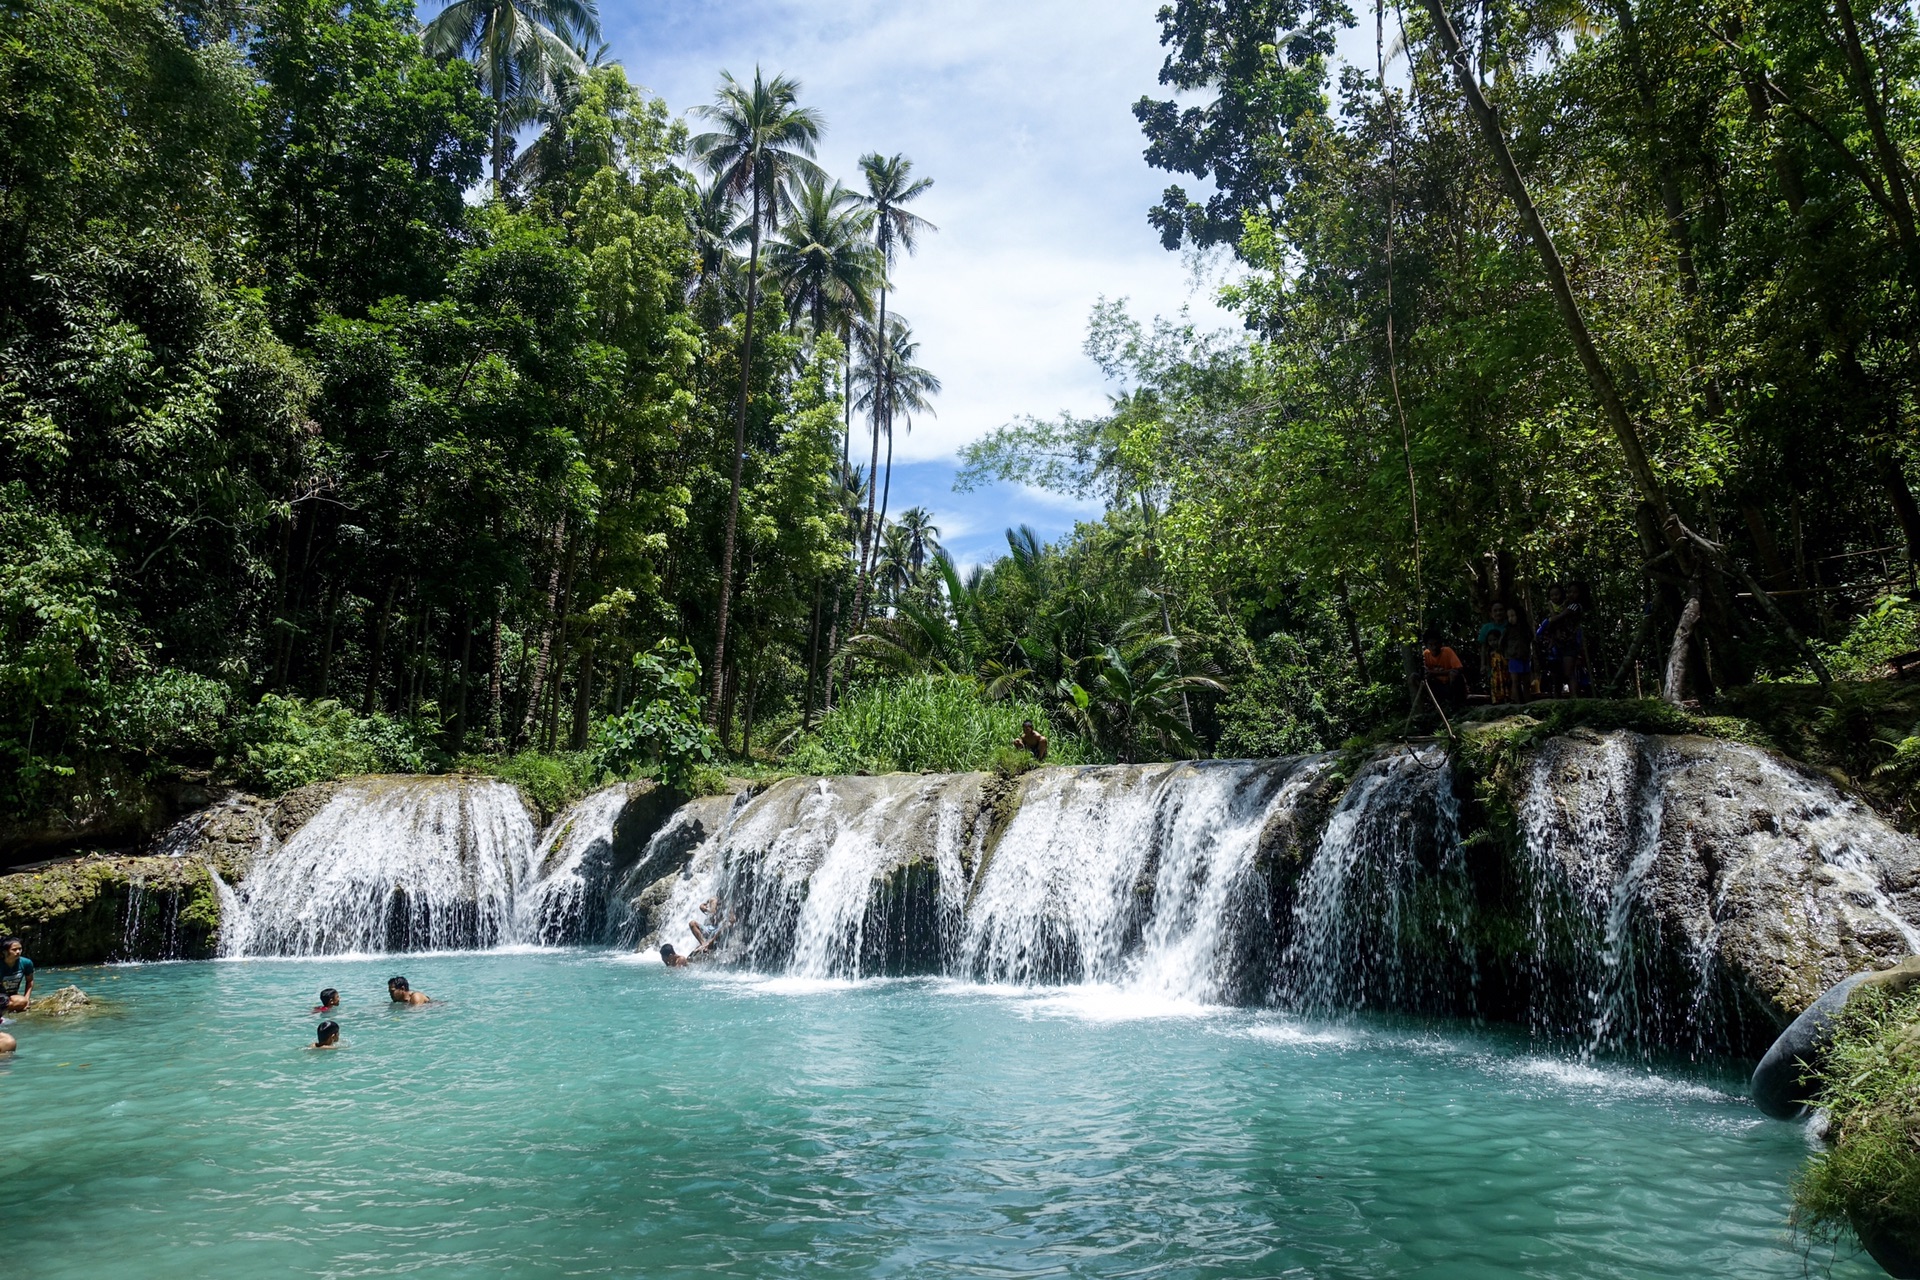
x=1894, y=480
x=739, y=455
x=1353, y=631
x=493, y=680
x=379, y=654
x=813, y=656
x=460, y=690
x=543, y=654
x=1676, y=684
x=583, y=697
x=868, y=532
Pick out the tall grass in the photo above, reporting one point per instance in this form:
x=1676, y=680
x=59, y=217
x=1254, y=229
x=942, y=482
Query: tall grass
x=923, y=724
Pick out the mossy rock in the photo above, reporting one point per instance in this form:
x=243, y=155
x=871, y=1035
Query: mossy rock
x=97, y=908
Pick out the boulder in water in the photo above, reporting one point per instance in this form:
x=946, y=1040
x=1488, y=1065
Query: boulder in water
x=59, y=1004
x=1790, y=1070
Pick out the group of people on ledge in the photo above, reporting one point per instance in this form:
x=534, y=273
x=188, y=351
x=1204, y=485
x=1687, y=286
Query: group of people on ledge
x=327, y=1035
x=1517, y=662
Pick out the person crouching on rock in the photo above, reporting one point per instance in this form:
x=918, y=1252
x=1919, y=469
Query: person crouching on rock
x=1031, y=741
x=327, y=1036
x=671, y=958
x=16, y=977
x=329, y=1000
x=400, y=993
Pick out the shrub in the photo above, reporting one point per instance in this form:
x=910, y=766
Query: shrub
x=1298, y=700
x=923, y=724
x=661, y=733
x=283, y=743
x=166, y=711
x=550, y=782
x=1891, y=627
x=1870, y=1178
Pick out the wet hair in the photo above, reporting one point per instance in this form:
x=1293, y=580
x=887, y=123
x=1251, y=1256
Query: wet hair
x=327, y=1033
x=328, y=996
x=398, y=984
x=666, y=951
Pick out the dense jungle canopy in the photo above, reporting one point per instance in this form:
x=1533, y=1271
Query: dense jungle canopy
x=387, y=394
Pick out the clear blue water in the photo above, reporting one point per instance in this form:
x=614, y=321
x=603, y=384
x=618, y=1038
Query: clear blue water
x=585, y=1113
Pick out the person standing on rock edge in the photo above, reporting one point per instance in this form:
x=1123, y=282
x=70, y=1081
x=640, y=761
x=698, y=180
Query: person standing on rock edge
x=16, y=977
x=1031, y=740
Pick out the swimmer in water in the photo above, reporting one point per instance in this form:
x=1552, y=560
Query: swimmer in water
x=329, y=1001
x=400, y=993
x=327, y=1037
x=7, y=1043
x=671, y=958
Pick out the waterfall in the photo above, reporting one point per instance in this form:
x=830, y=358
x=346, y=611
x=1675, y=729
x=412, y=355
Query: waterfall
x=1382, y=911
x=426, y=863
x=571, y=866
x=833, y=877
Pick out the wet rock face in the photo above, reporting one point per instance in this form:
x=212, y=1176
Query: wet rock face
x=1721, y=888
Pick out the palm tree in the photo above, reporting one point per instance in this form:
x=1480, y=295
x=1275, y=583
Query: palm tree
x=821, y=257
x=1129, y=694
x=762, y=142
x=893, y=566
x=923, y=536
x=892, y=385
x=890, y=188
x=518, y=47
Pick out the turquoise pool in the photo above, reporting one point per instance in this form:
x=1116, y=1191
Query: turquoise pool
x=590, y=1113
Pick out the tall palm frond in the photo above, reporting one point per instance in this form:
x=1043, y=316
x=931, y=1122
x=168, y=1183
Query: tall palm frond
x=827, y=269
x=518, y=47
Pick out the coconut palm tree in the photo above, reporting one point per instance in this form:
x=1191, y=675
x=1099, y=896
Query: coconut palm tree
x=1123, y=696
x=518, y=47
x=763, y=140
x=821, y=256
x=923, y=536
x=892, y=387
x=891, y=186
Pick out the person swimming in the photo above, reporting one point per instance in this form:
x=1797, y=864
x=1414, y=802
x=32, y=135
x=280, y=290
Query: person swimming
x=400, y=993
x=326, y=1036
x=329, y=999
x=7, y=1043
x=671, y=958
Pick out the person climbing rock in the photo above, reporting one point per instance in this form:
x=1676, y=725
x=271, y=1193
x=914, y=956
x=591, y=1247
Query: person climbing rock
x=1032, y=741
x=400, y=993
x=705, y=935
x=16, y=977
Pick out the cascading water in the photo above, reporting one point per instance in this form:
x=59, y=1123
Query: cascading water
x=409, y=864
x=390, y=864
x=832, y=877
x=1381, y=914
x=567, y=899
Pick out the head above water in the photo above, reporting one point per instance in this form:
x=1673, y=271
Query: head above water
x=666, y=952
x=397, y=987
x=329, y=998
x=327, y=1033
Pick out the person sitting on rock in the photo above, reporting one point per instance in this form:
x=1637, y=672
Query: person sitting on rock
x=327, y=1036
x=400, y=993
x=671, y=958
x=1032, y=741
x=329, y=999
x=16, y=977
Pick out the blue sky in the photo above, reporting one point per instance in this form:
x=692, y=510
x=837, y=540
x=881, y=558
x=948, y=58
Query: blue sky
x=1020, y=114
